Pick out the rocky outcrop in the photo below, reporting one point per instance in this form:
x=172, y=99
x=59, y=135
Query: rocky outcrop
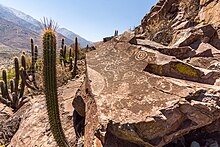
x=7, y=129
x=209, y=11
x=155, y=86
x=140, y=95
x=182, y=23
x=34, y=128
x=158, y=83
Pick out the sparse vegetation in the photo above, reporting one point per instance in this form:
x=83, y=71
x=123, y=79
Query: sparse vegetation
x=13, y=84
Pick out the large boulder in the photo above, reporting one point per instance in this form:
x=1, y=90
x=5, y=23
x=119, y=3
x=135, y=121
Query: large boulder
x=152, y=85
x=193, y=36
x=210, y=12
x=137, y=107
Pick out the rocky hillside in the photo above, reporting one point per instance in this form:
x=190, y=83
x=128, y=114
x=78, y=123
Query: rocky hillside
x=158, y=85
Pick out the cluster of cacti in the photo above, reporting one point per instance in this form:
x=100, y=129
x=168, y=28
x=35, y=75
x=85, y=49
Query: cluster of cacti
x=12, y=92
x=13, y=95
x=67, y=60
x=50, y=83
x=28, y=79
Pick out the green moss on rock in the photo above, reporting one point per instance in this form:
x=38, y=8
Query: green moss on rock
x=185, y=69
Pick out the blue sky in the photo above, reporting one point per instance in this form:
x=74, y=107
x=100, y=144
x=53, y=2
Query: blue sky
x=91, y=19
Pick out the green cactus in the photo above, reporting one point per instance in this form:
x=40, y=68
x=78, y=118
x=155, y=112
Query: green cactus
x=23, y=61
x=17, y=77
x=4, y=77
x=62, y=52
x=34, y=67
x=35, y=53
x=12, y=87
x=32, y=47
x=50, y=83
x=22, y=85
x=76, y=57
x=2, y=98
x=34, y=56
x=11, y=100
x=61, y=56
x=71, y=64
x=64, y=56
x=62, y=43
x=15, y=99
x=70, y=53
x=3, y=92
x=24, y=65
x=26, y=81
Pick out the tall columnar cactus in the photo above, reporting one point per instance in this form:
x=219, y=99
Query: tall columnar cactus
x=26, y=81
x=32, y=48
x=62, y=52
x=61, y=56
x=17, y=77
x=12, y=87
x=76, y=57
x=62, y=43
x=34, y=66
x=71, y=64
x=64, y=56
x=50, y=83
x=3, y=98
x=4, y=77
x=34, y=56
x=70, y=53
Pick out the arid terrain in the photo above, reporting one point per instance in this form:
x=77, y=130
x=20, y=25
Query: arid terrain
x=157, y=85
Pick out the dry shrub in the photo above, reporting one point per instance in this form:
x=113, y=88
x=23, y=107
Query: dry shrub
x=63, y=76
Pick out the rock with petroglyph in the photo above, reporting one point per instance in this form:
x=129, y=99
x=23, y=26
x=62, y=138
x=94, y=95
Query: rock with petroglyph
x=137, y=94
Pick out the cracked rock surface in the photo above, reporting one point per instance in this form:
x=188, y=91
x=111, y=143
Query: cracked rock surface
x=125, y=100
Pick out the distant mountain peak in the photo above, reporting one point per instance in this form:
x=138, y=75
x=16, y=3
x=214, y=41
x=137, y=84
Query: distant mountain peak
x=26, y=25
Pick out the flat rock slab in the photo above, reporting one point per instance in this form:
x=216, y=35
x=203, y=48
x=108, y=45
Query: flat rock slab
x=178, y=52
x=137, y=106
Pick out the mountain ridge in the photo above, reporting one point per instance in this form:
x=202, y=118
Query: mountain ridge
x=28, y=23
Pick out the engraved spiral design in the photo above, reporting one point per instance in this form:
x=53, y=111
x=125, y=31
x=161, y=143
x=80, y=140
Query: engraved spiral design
x=141, y=55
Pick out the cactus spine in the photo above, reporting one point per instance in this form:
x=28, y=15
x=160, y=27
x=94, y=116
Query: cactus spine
x=50, y=84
